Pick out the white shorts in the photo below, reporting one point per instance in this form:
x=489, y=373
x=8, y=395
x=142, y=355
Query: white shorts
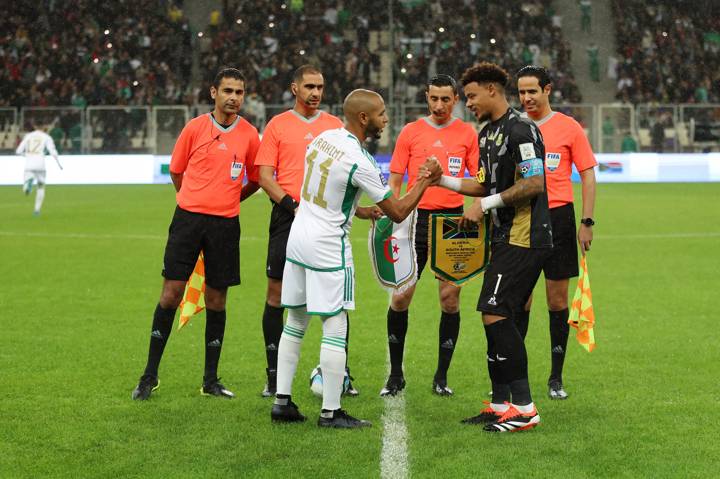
x=324, y=293
x=38, y=176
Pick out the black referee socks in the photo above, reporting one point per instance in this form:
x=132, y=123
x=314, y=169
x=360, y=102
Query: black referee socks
x=214, y=335
x=447, y=340
x=272, y=324
x=559, y=330
x=159, y=335
x=397, y=326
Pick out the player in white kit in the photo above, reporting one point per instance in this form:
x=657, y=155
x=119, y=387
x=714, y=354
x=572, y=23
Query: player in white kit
x=319, y=277
x=33, y=147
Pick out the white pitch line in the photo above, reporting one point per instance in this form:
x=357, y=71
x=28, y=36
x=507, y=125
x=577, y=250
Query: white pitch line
x=394, y=457
x=30, y=234
x=660, y=236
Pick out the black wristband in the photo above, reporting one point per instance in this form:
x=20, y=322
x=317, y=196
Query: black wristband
x=289, y=203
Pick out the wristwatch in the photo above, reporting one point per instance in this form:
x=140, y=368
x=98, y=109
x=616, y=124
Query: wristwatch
x=587, y=221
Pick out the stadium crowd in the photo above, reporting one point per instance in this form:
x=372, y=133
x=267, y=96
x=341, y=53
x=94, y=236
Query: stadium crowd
x=442, y=35
x=432, y=37
x=90, y=52
x=653, y=38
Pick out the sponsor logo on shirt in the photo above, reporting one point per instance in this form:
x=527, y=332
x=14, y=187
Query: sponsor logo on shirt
x=222, y=146
x=454, y=165
x=438, y=144
x=552, y=160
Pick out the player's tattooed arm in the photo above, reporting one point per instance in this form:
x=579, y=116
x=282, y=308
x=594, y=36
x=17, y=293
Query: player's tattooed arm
x=523, y=190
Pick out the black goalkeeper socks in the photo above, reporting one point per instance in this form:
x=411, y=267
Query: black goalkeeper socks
x=447, y=340
x=214, y=335
x=397, y=325
x=522, y=321
x=559, y=330
x=272, y=324
x=511, y=359
x=500, y=387
x=160, y=333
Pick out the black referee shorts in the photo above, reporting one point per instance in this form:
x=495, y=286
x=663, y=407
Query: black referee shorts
x=280, y=222
x=218, y=237
x=422, y=235
x=510, y=278
x=563, y=261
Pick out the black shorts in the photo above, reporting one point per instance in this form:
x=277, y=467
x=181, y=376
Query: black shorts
x=218, y=237
x=422, y=238
x=510, y=278
x=280, y=222
x=563, y=262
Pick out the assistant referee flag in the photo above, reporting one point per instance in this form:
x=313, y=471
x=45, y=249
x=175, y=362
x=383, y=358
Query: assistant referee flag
x=193, y=300
x=582, y=316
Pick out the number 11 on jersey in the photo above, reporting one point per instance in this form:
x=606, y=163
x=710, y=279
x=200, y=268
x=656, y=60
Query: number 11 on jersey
x=319, y=199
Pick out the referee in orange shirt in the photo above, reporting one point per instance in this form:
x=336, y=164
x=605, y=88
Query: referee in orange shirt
x=565, y=145
x=455, y=144
x=213, y=154
x=281, y=166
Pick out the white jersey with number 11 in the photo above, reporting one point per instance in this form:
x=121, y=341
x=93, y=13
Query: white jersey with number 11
x=337, y=171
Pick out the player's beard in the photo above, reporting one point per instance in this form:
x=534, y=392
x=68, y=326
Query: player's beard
x=373, y=131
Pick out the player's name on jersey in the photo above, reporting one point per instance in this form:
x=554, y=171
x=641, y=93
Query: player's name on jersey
x=330, y=150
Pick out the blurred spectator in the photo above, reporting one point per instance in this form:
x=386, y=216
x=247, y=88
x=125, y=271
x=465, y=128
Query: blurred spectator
x=628, y=145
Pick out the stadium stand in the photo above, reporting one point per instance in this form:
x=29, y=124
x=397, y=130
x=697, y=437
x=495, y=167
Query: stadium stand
x=90, y=52
x=350, y=45
x=653, y=38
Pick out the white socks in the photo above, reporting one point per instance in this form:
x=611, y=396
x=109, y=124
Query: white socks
x=39, y=197
x=332, y=359
x=289, y=348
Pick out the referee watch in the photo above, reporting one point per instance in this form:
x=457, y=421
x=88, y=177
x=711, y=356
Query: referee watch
x=587, y=222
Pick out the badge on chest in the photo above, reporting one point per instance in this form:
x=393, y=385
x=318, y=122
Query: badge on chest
x=235, y=169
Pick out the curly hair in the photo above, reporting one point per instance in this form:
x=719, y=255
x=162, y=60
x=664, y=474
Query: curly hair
x=485, y=72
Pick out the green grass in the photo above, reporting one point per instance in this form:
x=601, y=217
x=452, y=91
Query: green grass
x=80, y=283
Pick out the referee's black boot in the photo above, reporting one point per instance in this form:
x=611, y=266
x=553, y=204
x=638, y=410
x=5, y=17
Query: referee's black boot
x=215, y=388
x=148, y=383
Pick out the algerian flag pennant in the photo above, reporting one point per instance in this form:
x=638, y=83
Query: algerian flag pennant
x=582, y=315
x=193, y=300
x=392, y=252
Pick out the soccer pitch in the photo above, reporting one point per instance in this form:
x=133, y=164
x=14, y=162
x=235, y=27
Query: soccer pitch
x=80, y=283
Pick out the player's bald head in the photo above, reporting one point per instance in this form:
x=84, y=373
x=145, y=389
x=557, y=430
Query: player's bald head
x=361, y=101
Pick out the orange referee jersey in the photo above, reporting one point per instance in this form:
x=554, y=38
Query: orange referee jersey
x=284, y=142
x=454, y=144
x=565, y=145
x=214, y=161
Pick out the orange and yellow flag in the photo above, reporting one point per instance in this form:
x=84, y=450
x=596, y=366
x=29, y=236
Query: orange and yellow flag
x=582, y=316
x=193, y=300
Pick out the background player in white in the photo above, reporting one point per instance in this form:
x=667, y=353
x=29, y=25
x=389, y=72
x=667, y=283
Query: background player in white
x=33, y=147
x=318, y=277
